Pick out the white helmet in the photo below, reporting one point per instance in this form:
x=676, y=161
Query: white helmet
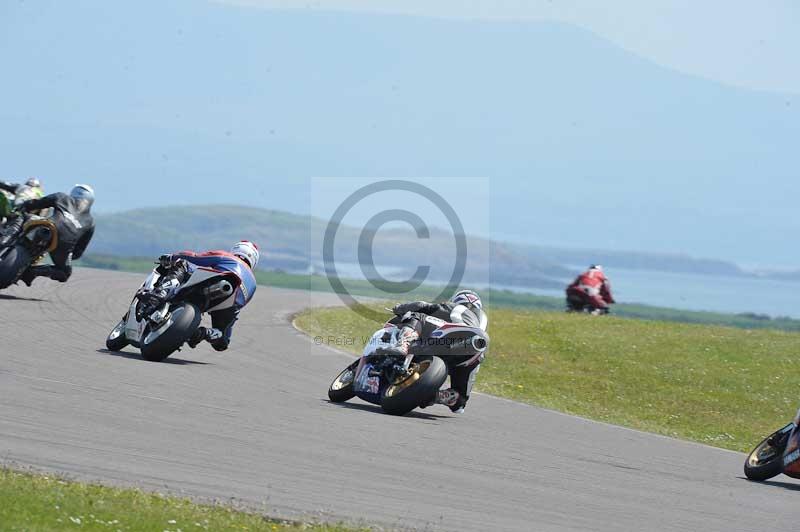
x=596, y=267
x=83, y=193
x=467, y=298
x=248, y=252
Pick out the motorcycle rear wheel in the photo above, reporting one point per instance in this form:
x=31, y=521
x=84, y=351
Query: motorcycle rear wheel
x=765, y=461
x=13, y=264
x=419, y=389
x=157, y=345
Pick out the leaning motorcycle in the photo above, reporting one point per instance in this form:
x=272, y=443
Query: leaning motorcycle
x=159, y=327
x=36, y=238
x=399, y=384
x=778, y=453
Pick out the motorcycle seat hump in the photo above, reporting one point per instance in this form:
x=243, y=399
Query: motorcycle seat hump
x=225, y=262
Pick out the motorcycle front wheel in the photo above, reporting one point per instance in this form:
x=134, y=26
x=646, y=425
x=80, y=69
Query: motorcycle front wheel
x=116, y=340
x=160, y=342
x=766, y=460
x=341, y=388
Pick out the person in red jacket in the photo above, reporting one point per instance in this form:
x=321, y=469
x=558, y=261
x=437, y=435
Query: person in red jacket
x=590, y=291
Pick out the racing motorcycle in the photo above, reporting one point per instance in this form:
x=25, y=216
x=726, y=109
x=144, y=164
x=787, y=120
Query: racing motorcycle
x=36, y=238
x=160, y=326
x=399, y=384
x=778, y=453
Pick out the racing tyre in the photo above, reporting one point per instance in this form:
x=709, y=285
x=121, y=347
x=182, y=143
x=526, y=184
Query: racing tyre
x=766, y=460
x=159, y=343
x=13, y=263
x=341, y=388
x=116, y=340
x=419, y=389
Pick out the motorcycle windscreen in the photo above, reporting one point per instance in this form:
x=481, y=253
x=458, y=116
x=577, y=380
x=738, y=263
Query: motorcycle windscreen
x=368, y=387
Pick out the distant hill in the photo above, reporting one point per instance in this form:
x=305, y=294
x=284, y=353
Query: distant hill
x=293, y=243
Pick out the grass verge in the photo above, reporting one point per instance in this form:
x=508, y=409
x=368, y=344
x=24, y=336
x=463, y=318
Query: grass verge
x=721, y=386
x=43, y=503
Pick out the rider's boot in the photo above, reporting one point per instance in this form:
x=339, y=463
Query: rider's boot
x=207, y=334
x=405, y=338
x=28, y=277
x=451, y=399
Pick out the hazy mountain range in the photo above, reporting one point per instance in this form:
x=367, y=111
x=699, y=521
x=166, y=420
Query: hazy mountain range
x=294, y=242
x=587, y=146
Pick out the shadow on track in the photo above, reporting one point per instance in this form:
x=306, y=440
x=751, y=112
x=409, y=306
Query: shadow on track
x=15, y=298
x=137, y=357
x=791, y=486
x=366, y=407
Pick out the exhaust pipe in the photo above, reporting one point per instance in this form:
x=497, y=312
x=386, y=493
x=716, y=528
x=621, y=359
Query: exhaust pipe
x=479, y=343
x=220, y=289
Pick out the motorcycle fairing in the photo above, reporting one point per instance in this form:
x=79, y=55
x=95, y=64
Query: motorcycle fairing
x=133, y=328
x=368, y=387
x=791, y=456
x=226, y=264
x=201, y=274
x=383, y=338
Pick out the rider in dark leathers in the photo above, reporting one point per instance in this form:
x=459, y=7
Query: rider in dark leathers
x=73, y=220
x=464, y=307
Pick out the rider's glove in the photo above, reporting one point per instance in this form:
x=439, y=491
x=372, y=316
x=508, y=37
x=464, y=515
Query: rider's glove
x=403, y=308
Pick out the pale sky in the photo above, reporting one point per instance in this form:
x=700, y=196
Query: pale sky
x=751, y=44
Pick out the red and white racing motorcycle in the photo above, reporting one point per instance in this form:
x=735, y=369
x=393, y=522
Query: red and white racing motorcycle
x=778, y=453
x=399, y=384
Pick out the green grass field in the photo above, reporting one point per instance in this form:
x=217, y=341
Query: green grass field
x=44, y=503
x=721, y=386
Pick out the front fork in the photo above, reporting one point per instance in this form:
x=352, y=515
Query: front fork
x=362, y=361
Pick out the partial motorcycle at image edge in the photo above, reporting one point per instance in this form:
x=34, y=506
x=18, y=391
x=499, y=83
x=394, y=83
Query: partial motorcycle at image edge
x=159, y=327
x=36, y=238
x=400, y=384
x=778, y=453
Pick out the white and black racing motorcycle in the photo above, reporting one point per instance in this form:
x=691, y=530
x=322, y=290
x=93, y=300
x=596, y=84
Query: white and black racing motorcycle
x=159, y=327
x=399, y=384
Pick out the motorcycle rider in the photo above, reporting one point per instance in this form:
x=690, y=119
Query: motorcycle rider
x=18, y=193
x=241, y=261
x=465, y=307
x=591, y=288
x=75, y=228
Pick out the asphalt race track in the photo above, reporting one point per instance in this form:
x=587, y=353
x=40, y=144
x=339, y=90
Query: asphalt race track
x=254, y=425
